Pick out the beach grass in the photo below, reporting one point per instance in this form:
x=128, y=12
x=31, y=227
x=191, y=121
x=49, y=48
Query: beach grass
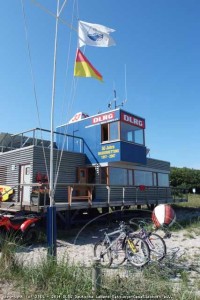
x=52, y=280
x=193, y=201
x=64, y=280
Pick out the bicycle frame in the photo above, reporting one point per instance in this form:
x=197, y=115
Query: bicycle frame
x=123, y=247
x=145, y=235
x=122, y=234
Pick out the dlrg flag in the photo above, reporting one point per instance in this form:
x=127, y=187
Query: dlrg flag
x=83, y=68
x=94, y=35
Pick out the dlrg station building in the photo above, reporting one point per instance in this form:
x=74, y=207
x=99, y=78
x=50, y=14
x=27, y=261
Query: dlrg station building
x=116, y=157
x=103, y=165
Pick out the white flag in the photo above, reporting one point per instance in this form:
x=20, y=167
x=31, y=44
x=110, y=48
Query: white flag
x=94, y=35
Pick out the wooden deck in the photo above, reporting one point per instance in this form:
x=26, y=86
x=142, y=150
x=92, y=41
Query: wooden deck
x=79, y=196
x=63, y=206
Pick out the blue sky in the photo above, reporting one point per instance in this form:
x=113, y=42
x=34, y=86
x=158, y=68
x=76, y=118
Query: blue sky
x=158, y=42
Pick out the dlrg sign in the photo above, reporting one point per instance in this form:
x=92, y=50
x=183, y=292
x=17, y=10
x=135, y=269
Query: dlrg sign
x=103, y=118
x=130, y=119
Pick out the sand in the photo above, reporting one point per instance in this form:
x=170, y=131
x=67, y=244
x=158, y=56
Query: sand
x=77, y=244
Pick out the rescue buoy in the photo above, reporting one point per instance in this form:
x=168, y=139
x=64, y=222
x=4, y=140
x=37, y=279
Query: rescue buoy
x=163, y=215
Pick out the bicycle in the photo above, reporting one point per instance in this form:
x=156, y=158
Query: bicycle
x=126, y=246
x=155, y=242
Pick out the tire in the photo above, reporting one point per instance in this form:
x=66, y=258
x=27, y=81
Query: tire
x=137, y=251
x=118, y=253
x=105, y=259
x=157, y=247
x=30, y=236
x=3, y=236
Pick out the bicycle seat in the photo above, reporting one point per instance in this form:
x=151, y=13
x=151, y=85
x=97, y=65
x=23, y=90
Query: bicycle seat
x=122, y=225
x=103, y=229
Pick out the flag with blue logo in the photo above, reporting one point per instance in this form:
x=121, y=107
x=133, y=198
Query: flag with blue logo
x=94, y=35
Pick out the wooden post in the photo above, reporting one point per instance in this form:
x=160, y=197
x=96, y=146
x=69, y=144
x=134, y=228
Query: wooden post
x=96, y=277
x=70, y=190
x=89, y=192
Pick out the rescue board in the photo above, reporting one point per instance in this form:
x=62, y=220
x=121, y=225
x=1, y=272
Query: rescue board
x=6, y=191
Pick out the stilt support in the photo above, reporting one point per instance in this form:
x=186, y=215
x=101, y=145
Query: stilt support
x=51, y=230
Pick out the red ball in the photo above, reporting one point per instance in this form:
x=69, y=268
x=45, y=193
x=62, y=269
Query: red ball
x=163, y=215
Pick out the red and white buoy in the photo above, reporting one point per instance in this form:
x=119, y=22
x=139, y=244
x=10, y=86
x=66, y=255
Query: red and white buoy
x=163, y=215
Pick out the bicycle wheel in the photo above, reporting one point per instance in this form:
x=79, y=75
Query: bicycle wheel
x=118, y=252
x=137, y=251
x=102, y=253
x=157, y=247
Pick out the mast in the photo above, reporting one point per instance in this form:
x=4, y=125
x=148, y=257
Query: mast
x=51, y=210
x=51, y=180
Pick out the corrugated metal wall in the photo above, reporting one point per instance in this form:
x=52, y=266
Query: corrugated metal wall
x=67, y=170
x=11, y=161
x=159, y=165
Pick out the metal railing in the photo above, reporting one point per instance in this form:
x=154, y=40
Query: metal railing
x=102, y=194
x=40, y=137
x=122, y=195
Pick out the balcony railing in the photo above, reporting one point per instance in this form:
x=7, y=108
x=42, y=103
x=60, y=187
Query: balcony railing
x=40, y=137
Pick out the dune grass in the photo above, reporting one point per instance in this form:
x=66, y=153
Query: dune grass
x=193, y=201
x=62, y=280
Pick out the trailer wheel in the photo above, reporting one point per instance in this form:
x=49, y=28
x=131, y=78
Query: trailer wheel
x=31, y=236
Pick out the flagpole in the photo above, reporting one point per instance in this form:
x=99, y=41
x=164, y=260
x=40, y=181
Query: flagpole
x=51, y=211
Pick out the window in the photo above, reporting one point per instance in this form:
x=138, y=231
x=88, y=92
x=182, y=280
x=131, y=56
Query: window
x=122, y=176
x=132, y=133
x=91, y=175
x=113, y=131
x=27, y=170
x=163, y=179
x=104, y=175
x=110, y=131
x=118, y=176
x=143, y=178
x=104, y=130
x=154, y=179
x=130, y=177
x=139, y=136
x=82, y=175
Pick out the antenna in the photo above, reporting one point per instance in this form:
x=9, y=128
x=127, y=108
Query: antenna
x=115, y=94
x=115, y=98
x=126, y=97
x=115, y=101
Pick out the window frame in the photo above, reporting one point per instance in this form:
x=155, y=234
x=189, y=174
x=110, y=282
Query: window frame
x=105, y=137
x=136, y=129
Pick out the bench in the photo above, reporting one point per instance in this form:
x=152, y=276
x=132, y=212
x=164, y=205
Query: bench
x=72, y=197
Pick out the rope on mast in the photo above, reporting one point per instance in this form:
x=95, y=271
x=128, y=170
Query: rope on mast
x=72, y=97
x=53, y=15
x=51, y=182
x=33, y=82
